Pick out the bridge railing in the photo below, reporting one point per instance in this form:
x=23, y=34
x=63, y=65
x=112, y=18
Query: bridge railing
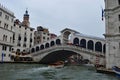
x=63, y=46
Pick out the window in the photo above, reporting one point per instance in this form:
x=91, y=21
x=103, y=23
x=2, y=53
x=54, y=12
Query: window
x=119, y=45
x=6, y=38
x=14, y=24
x=38, y=37
x=18, y=44
x=4, y=25
x=0, y=23
x=6, y=17
x=44, y=33
x=19, y=38
x=47, y=38
x=24, y=45
x=12, y=20
x=10, y=48
x=0, y=13
x=119, y=17
x=25, y=34
x=31, y=29
x=119, y=29
x=30, y=39
x=3, y=37
x=4, y=47
x=25, y=39
x=10, y=39
x=19, y=26
x=9, y=55
x=43, y=37
x=7, y=26
x=30, y=45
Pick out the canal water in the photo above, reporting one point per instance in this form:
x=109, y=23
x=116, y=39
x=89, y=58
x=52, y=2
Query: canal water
x=43, y=72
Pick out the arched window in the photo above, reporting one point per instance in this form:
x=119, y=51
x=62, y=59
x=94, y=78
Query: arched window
x=90, y=45
x=42, y=47
x=58, y=42
x=76, y=41
x=37, y=48
x=52, y=43
x=30, y=40
x=83, y=43
x=46, y=45
x=104, y=48
x=6, y=38
x=98, y=46
x=25, y=39
x=3, y=37
x=32, y=50
x=19, y=38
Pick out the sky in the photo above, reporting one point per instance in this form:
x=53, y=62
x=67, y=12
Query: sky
x=84, y=16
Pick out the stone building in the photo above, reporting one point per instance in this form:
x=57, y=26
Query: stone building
x=42, y=35
x=112, y=34
x=24, y=34
x=6, y=33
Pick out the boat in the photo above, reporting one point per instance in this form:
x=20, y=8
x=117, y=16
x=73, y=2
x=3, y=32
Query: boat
x=58, y=64
x=116, y=70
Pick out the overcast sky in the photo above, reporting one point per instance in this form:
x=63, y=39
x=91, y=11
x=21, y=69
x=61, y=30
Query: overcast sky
x=83, y=16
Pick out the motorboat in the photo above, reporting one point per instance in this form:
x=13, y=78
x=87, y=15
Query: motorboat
x=58, y=64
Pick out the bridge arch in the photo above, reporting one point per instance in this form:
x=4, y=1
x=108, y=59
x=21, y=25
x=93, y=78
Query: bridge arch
x=90, y=45
x=52, y=43
x=58, y=41
x=47, y=45
x=98, y=46
x=76, y=41
x=42, y=47
x=37, y=48
x=58, y=56
x=33, y=50
x=83, y=43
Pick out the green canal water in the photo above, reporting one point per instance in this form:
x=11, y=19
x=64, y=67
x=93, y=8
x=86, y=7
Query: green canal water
x=43, y=72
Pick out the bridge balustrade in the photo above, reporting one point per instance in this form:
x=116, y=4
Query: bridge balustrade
x=64, y=46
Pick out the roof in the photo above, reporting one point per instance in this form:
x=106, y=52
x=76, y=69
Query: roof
x=89, y=36
x=67, y=29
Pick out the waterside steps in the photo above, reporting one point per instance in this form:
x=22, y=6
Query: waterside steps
x=104, y=70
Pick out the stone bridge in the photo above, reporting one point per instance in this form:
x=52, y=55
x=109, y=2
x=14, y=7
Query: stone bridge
x=62, y=52
x=70, y=42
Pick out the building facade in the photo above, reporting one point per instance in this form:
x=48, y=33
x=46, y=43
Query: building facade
x=24, y=34
x=112, y=34
x=42, y=35
x=6, y=33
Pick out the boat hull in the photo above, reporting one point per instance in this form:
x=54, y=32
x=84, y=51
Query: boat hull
x=116, y=70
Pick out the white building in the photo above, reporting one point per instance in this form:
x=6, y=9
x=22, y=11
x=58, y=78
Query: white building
x=24, y=34
x=112, y=35
x=6, y=33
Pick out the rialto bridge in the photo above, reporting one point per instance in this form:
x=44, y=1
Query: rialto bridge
x=70, y=42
